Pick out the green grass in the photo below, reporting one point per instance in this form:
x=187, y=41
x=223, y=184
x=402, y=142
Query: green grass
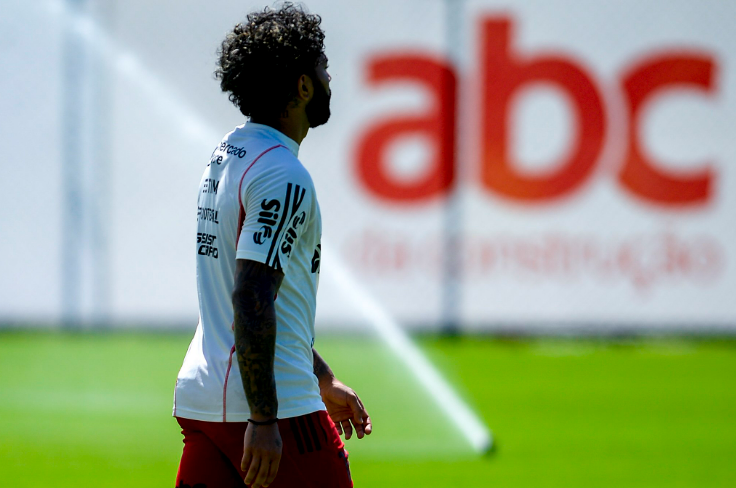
x=94, y=410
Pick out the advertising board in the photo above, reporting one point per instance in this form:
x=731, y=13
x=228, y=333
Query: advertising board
x=491, y=165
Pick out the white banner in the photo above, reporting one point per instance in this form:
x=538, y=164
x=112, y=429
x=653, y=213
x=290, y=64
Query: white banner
x=590, y=179
x=502, y=165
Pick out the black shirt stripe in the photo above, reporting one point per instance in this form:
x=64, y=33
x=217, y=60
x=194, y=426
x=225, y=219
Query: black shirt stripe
x=313, y=431
x=284, y=216
x=297, y=437
x=307, y=440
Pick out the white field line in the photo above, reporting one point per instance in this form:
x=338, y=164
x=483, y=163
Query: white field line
x=127, y=64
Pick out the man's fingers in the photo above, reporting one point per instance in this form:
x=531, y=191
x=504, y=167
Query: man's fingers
x=272, y=471
x=356, y=406
x=255, y=464
x=367, y=425
x=263, y=472
x=359, y=432
x=361, y=419
x=247, y=457
x=338, y=427
x=347, y=428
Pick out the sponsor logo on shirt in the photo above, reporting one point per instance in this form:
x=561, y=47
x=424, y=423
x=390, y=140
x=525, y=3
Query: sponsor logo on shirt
x=291, y=233
x=283, y=243
x=207, y=214
x=268, y=216
x=230, y=149
x=206, y=247
x=210, y=186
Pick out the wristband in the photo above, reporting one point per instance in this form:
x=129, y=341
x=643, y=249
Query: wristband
x=265, y=422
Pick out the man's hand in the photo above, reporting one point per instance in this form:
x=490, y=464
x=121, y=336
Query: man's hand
x=261, y=454
x=345, y=407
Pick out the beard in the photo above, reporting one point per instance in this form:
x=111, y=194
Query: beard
x=318, y=108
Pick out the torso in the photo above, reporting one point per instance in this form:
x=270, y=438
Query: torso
x=256, y=201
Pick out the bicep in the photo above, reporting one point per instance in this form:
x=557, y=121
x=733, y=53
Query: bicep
x=256, y=284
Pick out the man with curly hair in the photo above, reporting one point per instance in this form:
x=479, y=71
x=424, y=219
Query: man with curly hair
x=276, y=418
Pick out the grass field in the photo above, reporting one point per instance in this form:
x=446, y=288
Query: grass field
x=93, y=410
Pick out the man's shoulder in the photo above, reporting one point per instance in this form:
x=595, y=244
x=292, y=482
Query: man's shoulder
x=278, y=162
x=277, y=175
x=264, y=155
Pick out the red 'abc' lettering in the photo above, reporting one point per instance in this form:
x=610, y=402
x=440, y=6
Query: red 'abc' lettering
x=502, y=74
x=640, y=175
x=437, y=125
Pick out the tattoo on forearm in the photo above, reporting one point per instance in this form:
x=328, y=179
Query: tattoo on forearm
x=321, y=369
x=255, y=335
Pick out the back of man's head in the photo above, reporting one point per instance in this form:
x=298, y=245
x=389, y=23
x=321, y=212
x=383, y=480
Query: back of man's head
x=262, y=58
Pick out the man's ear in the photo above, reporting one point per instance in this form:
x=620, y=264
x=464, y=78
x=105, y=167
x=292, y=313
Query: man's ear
x=305, y=88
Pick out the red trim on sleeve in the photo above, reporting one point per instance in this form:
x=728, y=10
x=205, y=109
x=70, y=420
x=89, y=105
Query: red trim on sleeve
x=224, y=387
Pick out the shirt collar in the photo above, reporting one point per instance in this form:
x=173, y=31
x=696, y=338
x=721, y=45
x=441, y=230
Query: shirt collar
x=290, y=144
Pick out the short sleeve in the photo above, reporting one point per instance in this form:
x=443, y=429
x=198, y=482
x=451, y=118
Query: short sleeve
x=277, y=211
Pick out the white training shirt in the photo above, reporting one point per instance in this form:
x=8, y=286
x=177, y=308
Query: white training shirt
x=256, y=201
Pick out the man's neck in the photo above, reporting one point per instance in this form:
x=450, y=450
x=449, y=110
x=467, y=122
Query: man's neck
x=295, y=130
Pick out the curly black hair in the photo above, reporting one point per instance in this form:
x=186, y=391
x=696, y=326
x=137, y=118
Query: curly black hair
x=263, y=57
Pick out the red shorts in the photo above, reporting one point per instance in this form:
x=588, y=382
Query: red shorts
x=313, y=455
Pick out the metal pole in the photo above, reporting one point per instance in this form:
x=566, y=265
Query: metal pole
x=99, y=190
x=72, y=133
x=453, y=225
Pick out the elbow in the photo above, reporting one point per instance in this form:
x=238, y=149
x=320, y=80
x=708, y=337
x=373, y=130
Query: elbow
x=243, y=299
x=251, y=300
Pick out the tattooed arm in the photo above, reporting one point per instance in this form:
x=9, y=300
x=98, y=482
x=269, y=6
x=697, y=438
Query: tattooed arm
x=255, y=340
x=343, y=404
x=255, y=334
x=322, y=370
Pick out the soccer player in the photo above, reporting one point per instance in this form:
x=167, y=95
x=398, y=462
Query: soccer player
x=275, y=418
